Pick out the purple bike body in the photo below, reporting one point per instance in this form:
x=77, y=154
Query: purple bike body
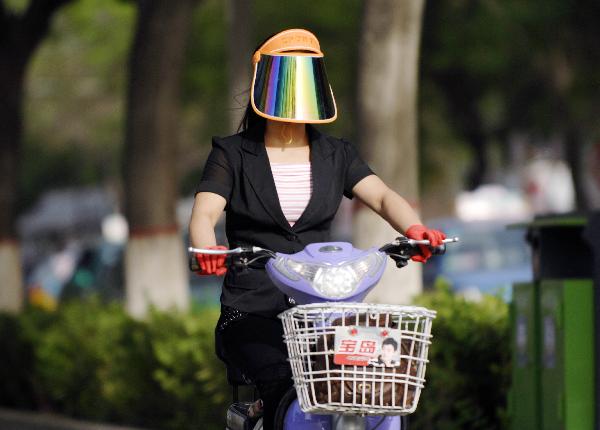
x=295, y=419
x=334, y=256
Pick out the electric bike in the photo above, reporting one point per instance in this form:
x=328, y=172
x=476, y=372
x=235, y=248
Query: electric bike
x=355, y=365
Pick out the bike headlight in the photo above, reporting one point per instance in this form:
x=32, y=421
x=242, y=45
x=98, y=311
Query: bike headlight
x=336, y=282
x=332, y=281
x=295, y=270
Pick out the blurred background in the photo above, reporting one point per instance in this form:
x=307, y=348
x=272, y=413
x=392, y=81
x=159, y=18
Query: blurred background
x=483, y=114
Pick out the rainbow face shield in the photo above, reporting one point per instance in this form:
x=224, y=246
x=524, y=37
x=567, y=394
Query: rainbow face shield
x=292, y=88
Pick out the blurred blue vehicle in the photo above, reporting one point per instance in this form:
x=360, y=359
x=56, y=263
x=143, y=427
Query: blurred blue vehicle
x=97, y=269
x=489, y=259
x=77, y=271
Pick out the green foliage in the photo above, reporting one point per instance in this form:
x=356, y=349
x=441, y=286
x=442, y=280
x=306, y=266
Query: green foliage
x=74, y=102
x=16, y=6
x=205, y=72
x=91, y=360
x=15, y=362
x=523, y=66
x=188, y=370
x=506, y=69
x=493, y=68
x=440, y=142
x=469, y=370
x=78, y=356
x=44, y=167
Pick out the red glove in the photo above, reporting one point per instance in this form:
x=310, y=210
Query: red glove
x=212, y=264
x=420, y=232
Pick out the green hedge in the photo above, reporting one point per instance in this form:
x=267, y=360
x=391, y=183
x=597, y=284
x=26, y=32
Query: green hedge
x=469, y=371
x=91, y=360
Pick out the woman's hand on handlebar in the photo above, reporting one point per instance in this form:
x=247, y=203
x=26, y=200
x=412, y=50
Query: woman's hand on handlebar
x=420, y=232
x=211, y=264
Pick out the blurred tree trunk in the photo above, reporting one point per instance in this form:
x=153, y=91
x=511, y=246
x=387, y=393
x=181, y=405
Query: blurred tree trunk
x=463, y=94
x=155, y=269
x=387, y=124
x=561, y=80
x=239, y=53
x=20, y=35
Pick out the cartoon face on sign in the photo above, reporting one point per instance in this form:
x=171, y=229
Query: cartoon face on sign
x=366, y=346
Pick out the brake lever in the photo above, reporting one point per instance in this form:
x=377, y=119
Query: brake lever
x=400, y=260
x=398, y=251
x=403, y=248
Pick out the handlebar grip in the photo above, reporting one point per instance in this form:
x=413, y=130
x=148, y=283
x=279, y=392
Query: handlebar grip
x=229, y=262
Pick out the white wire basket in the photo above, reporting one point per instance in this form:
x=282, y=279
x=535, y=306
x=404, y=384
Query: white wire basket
x=325, y=386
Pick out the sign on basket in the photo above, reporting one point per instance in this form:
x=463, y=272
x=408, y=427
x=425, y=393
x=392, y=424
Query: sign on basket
x=367, y=346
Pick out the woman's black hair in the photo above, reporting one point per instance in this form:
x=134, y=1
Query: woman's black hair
x=251, y=118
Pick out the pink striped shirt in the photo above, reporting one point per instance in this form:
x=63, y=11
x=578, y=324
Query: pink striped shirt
x=294, y=188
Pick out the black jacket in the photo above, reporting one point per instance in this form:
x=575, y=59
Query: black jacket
x=238, y=169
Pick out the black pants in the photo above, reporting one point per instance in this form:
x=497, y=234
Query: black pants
x=255, y=345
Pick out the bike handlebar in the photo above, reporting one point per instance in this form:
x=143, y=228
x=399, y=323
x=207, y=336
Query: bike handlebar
x=256, y=249
x=238, y=250
x=400, y=250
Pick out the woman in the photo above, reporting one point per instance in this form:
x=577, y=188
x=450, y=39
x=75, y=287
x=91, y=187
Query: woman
x=280, y=182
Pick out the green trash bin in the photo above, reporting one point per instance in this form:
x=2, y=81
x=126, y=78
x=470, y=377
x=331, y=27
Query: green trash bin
x=553, y=331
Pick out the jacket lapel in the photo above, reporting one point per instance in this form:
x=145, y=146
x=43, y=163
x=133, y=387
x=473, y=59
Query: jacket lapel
x=258, y=171
x=321, y=169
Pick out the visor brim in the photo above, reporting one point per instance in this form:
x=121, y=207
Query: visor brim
x=292, y=88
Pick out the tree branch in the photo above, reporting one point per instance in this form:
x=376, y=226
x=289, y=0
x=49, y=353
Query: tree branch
x=35, y=22
x=4, y=17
